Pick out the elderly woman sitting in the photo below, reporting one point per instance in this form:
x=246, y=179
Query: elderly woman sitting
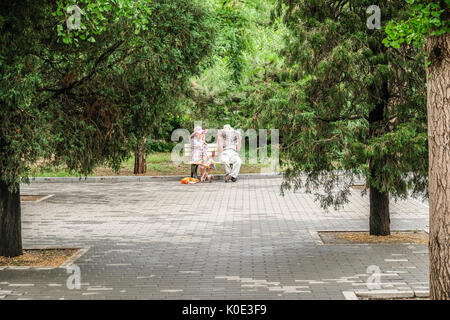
x=199, y=154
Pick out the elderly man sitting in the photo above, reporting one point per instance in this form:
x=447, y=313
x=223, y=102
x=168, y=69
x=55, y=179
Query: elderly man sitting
x=229, y=143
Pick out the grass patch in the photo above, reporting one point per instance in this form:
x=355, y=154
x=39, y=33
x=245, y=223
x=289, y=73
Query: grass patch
x=158, y=164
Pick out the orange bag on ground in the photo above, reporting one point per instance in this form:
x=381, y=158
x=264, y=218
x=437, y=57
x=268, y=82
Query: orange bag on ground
x=189, y=180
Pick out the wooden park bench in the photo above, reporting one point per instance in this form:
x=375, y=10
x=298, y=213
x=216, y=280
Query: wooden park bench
x=212, y=151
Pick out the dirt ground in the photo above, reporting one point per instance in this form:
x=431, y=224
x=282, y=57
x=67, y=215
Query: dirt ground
x=416, y=237
x=39, y=258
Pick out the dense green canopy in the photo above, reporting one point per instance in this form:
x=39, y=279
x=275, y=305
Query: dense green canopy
x=353, y=106
x=85, y=104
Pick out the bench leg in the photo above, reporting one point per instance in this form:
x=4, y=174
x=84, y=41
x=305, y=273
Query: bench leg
x=194, y=171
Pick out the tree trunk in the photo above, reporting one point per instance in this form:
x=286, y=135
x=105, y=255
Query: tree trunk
x=379, y=220
x=380, y=223
x=140, y=158
x=10, y=223
x=438, y=103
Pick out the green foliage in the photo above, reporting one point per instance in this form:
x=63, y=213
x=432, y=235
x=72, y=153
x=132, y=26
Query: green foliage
x=225, y=93
x=156, y=76
x=231, y=41
x=426, y=18
x=159, y=146
x=86, y=105
x=347, y=106
x=96, y=16
x=309, y=68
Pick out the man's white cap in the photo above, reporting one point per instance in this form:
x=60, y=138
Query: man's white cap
x=227, y=127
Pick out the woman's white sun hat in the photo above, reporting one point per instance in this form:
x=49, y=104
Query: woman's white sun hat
x=198, y=130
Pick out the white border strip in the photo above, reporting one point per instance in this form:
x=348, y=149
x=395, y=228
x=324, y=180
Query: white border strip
x=114, y=179
x=75, y=257
x=349, y=295
x=386, y=294
x=316, y=237
x=37, y=195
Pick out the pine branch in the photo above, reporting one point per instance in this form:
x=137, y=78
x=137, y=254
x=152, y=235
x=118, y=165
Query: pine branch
x=339, y=119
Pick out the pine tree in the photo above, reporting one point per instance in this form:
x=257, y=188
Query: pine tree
x=76, y=97
x=351, y=107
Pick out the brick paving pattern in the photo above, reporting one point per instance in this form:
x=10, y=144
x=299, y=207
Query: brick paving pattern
x=164, y=240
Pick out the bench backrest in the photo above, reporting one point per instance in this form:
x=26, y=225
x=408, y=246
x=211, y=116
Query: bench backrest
x=212, y=150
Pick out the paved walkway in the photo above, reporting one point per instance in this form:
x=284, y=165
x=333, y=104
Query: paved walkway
x=164, y=240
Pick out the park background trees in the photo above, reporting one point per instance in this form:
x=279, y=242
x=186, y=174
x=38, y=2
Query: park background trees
x=157, y=74
x=246, y=55
x=347, y=101
x=350, y=107
x=81, y=96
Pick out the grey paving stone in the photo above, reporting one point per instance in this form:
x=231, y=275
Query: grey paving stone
x=149, y=240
